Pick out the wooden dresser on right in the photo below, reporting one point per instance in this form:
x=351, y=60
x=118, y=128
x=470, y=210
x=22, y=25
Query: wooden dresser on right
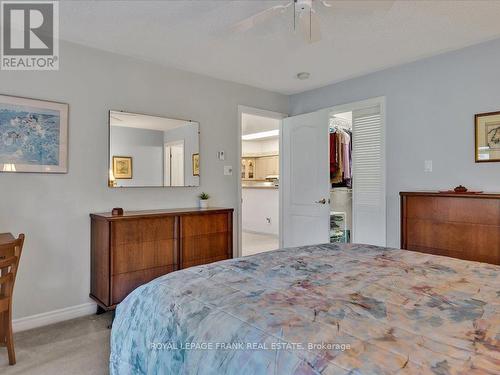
x=464, y=226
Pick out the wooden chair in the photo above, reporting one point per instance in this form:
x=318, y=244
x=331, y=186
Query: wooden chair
x=10, y=253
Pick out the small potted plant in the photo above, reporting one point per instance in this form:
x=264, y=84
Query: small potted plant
x=204, y=200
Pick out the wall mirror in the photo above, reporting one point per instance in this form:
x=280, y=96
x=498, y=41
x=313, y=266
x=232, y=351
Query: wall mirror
x=152, y=151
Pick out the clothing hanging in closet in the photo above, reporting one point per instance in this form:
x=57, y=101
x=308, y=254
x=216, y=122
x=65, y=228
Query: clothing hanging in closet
x=340, y=157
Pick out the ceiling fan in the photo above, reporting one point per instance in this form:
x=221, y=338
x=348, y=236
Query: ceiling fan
x=305, y=14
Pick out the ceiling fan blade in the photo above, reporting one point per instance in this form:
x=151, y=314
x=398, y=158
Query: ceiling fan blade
x=315, y=28
x=252, y=21
x=310, y=27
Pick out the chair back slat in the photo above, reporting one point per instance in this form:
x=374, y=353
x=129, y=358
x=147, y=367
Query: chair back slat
x=4, y=304
x=6, y=279
x=6, y=285
x=10, y=254
x=9, y=262
x=7, y=250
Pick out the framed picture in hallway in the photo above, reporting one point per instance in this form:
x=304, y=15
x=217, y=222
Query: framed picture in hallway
x=122, y=167
x=196, y=164
x=33, y=135
x=487, y=135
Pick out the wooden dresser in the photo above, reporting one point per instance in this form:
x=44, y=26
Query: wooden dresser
x=464, y=226
x=134, y=248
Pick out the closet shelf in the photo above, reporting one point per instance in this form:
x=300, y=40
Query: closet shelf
x=259, y=155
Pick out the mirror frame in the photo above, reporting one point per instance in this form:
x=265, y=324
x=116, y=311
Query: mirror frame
x=110, y=166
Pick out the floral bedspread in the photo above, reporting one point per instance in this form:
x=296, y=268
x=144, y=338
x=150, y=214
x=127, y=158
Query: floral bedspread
x=326, y=309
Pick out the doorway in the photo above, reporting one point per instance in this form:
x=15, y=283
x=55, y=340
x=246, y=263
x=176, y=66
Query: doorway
x=341, y=176
x=327, y=199
x=174, y=164
x=259, y=180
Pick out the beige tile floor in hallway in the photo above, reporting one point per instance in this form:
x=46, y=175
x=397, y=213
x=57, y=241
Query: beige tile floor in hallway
x=254, y=243
x=75, y=347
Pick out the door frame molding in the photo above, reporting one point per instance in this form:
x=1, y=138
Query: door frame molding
x=371, y=102
x=264, y=113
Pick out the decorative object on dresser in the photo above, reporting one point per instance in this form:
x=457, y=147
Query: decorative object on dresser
x=460, y=190
x=117, y=211
x=10, y=254
x=487, y=137
x=458, y=225
x=138, y=246
x=33, y=135
x=204, y=197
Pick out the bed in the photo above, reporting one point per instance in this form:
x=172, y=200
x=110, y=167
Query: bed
x=325, y=309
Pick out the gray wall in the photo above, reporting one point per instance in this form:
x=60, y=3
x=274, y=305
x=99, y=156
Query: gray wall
x=145, y=146
x=53, y=209
x=430, y=116
x=189, y=134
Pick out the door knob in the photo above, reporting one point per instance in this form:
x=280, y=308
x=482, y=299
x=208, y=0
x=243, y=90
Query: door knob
x=323, y=201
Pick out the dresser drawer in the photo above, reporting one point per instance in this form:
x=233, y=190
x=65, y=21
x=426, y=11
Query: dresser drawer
x=144, y=230
x=137, y=256
x=458, y=240
x=205, y=248
x=122, y=285
x=205, y=239
x=194, y=225
x=143, y=244
x=461, y=210
x=463, y=226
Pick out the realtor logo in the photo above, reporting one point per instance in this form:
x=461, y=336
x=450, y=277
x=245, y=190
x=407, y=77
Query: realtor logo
x=30, y=35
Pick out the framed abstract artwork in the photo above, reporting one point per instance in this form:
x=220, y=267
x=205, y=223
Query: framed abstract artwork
x=196, y=164
x=33, y=135
x=487, y=137
x=122, y=167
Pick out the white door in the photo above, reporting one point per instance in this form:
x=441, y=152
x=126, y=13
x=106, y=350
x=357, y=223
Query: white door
x=177, y=164
x=166, y=169
x=305, y=179
x=368, y=170
x=173, y=174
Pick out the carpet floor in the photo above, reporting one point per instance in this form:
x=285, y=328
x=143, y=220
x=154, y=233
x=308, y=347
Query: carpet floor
x=75, y=347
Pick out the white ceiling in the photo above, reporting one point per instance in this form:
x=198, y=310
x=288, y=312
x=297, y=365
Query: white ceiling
x=197, y=36
x=136, y=120
x=251, y=124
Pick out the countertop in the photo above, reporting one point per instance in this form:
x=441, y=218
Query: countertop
x=258, y=185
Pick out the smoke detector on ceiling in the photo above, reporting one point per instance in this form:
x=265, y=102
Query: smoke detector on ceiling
x=303, y=75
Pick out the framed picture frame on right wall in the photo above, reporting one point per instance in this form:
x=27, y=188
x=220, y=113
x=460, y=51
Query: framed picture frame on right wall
x=487, y=137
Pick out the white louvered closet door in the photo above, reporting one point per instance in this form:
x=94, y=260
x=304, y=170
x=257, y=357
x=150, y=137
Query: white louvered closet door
x=368, y=170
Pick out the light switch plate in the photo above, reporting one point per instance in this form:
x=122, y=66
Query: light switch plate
x=221, y=155
x=428, y=166
x=228, y=170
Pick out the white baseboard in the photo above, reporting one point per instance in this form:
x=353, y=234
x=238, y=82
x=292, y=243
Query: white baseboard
x=262, y=233
x=51, y=317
